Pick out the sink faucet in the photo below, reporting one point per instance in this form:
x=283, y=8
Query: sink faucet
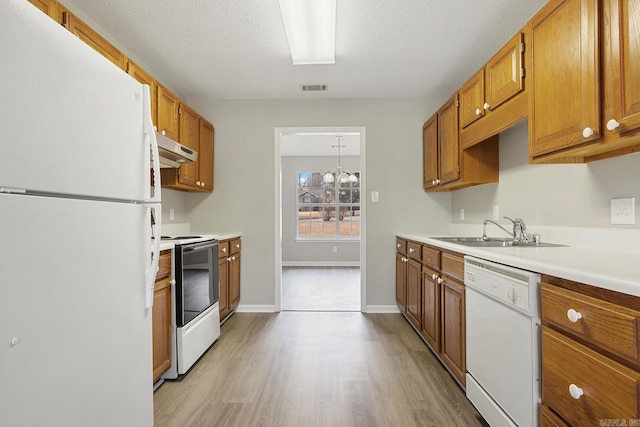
x=519, y=232
x=484, y=228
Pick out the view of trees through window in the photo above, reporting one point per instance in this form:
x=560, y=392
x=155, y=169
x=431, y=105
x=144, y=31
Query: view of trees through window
x=318, y=202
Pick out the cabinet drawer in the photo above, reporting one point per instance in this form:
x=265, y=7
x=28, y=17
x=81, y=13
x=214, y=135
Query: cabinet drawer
x=234, y=246
x=164, y=265
x=549, y=419
x=431, y=257
x=401, y=245
x=453, y=266
x=610, y=390
x=610, y=326
x=223, y=249
x=414, y=250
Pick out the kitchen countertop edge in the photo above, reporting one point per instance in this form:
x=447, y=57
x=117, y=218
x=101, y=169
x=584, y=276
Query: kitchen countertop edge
x=605, y=269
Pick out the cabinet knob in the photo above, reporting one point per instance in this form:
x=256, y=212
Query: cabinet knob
x=202, y=184
x=224, y=249
x=573, y=315
x=398, y=245
x=478, y=111
x=486, y=106
x=439, y=280
x=575, y=391
x=155, y=127
x=163, y=132
x=411, y=250
x=233, y=257
x=613, y=124
x=228, y=259
x=434, y=276
x=198, y=183
x=587, y=132
x=433, y=182
x=238, y=245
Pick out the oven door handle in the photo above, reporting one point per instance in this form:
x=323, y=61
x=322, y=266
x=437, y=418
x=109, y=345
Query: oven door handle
x=198, y=247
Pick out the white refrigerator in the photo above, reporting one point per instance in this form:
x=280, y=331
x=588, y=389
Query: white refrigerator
x=76, y=264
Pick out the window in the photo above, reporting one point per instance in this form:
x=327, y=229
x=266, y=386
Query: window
x=318, y=202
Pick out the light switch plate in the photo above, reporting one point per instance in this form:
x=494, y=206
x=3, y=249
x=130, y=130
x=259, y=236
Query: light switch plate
x=623, y=211
x=375, y=198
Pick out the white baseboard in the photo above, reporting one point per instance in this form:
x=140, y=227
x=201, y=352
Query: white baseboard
x=321, y=263
x=383, y=309
x=251, y=308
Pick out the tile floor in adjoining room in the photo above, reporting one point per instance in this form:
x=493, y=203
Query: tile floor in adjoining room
x=321, y=288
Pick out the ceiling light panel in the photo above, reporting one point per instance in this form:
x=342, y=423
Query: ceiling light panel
x=311, y=30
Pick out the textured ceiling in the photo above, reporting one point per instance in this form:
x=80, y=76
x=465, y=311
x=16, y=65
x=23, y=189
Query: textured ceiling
x=237, y=49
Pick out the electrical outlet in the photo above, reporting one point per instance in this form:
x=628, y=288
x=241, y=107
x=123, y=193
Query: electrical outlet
x=462, y=213
x=335, y=249
x=496, y=212
x=623, y=211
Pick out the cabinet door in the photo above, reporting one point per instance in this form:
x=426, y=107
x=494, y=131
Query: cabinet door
x=414, y=293
x=145, y=78
x=622, y=65
x=189, y=137
x=205, y=156
x=504, y=76
x=430, y=152
x=453, y=328
x=431, y=307
x=168, y=113
x=564, y=108
x=401, y=277
x=234, y=281
x=223, y=273
x=472, y=99
x=448, y=141
x=93, y=39
x=50, y=7
x=161, y=327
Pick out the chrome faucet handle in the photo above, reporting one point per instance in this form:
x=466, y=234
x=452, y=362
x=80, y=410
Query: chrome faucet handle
x=523, y=229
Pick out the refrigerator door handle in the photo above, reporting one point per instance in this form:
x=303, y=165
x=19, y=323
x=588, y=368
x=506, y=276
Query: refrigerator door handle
x=152, y=270
x=151, y=141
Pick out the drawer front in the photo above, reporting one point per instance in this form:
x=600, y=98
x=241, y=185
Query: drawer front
x=431, y=257
x=610, y=390
x=223, y=249
x=549, y=419
x=414, y=250
x=401, y=245
x=453, y=266
x=164, y=265
x=234, y=246
x=610, y=326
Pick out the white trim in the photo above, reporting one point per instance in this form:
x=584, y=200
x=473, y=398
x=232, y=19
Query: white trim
x=327, y=240
x=321, y=263
x=277, y=160
x=383, y=309
x=255, y=308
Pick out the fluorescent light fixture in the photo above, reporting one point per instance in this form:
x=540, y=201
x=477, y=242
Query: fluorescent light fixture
x=311, y=30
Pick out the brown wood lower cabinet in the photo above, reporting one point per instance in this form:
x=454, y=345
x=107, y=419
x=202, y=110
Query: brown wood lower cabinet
x=430, y=294
x=161, y=316
x=229, y=273
x=590, y=369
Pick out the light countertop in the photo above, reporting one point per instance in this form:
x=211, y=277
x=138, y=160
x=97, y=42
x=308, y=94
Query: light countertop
x=605, y=268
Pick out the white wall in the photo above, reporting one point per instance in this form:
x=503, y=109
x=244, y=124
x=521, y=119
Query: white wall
x=311, y=252
x=243, y=197
x=569, y=195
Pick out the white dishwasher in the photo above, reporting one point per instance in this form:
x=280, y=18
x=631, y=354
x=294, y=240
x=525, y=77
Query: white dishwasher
x=503, y=342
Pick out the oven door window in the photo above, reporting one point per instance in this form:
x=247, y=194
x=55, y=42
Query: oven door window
x=199, y=291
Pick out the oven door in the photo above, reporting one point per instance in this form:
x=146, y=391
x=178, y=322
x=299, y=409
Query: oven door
x=197, y=286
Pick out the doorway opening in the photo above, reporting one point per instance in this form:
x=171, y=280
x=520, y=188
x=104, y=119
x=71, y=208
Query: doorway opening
x=320, y=219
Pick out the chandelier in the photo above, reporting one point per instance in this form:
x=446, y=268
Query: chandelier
x=339, y=172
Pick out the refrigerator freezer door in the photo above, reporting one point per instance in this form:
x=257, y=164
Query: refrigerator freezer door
x=77, y=347
x=72, y=122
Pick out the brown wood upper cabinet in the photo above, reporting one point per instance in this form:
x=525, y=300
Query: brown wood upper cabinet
x=92, y=38
x=205, y=156
x=168, y=122
x=501, y=79
x=50, y=7
x=445, y=166
x=146, y=79
x=585, y=99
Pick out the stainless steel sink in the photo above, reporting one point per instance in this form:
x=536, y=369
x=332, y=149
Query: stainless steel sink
x=494, y=242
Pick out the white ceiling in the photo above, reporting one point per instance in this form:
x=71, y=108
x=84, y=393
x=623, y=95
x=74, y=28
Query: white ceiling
x=237, y=49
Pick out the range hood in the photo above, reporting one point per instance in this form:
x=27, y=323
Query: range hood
x=172, y=153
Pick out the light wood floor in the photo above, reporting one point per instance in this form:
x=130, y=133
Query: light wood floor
x=315, y=369
x=321, y=288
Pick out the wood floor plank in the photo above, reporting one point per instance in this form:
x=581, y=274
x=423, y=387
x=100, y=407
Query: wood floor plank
x=315, y=369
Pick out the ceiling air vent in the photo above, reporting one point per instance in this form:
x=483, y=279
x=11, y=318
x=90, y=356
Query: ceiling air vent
x=314, y=88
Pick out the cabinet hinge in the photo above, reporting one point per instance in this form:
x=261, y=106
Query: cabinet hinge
x=457, y=103
x=178, y=171
x=458, y=168
x=523, y=72
x=521, y=47
x=179, y=110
